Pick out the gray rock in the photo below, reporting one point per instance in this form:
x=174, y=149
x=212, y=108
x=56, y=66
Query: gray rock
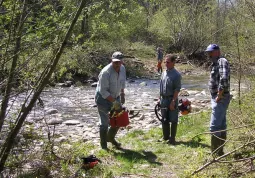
x=71, y=122
x=31, y=119
x=65, y=102
x=193, y=92
x=66, y=146
x=51, y=111
x=89, y=81
x=131, y=81
x=94, y=84
x=143, y=84
x=55, y=121
x=60, y=85
x=142, y=117
x=69, y=83
x=60, y=139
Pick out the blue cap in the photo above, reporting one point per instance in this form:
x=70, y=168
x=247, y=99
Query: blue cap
x=212, y=47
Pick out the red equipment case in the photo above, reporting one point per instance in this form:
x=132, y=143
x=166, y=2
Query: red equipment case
x=119, y=119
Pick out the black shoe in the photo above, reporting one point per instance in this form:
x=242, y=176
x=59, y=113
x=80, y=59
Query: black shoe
x=116, y=144
x=172, y=141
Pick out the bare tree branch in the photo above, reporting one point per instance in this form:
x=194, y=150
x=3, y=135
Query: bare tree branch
x=9, y=85
x=23, y=114
x=224, y=130
x=217, y=159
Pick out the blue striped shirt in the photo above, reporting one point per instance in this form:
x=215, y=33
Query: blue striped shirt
x=220, y=76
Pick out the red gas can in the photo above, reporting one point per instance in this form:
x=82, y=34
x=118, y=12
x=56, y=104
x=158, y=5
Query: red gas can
x=119, y=119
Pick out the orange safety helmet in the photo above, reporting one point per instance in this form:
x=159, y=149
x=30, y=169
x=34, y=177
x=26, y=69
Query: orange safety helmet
x=184, y=106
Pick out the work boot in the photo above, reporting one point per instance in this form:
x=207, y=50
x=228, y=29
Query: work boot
x=222, y=141
x=215, y=144
x=173, y=133
x=103, y=138
x=166, y=130
x=111, y=136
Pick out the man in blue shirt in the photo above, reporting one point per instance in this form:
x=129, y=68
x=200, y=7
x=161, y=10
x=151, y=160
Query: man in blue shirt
x=219, y=86
x=170, y=85
x=109, y=95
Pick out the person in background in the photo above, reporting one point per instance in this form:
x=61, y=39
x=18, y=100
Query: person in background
x=110, y=95
x=160, y=58
x=170, y=85
x=219, y=86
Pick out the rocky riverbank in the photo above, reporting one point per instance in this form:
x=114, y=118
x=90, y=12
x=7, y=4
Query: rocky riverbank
x=71, y=111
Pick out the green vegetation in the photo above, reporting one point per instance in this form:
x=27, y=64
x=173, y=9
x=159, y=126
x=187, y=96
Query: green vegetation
x=143, y=155
x=32, y=32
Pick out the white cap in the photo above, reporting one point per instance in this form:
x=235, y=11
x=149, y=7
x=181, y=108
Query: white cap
x=117, y=56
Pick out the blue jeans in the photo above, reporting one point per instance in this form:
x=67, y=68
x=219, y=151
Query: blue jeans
x=219, y=111
x=104, y=107
x=172, y=116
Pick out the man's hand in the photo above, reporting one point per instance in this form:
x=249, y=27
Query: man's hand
x=122, y=98
x=172, y=105
x=219, y=96
x=116, y=105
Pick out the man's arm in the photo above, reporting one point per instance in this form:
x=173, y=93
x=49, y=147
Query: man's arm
x=176, y=93
x=104, y=85
x=223, y=83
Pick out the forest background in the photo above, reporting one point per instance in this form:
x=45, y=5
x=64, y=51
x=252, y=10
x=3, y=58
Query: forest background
x=48, y=41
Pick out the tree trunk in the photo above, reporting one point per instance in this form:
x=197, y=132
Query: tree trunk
x=8, y=88
x=8, y=144
x=1, y=2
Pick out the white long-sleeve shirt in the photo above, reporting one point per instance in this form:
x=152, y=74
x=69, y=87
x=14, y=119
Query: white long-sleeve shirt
x=110, y=82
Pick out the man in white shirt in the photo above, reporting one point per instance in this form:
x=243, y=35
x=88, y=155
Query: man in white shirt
x=110, y=94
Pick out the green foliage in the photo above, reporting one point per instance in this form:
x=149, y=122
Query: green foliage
x=142, y=50
x=135, y=28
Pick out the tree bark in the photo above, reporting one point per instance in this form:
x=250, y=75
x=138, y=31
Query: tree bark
x=1, y=2
x=8, y=144
x=9, y=85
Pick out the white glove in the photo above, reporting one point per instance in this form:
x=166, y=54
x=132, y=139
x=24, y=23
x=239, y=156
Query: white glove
x=116, y=105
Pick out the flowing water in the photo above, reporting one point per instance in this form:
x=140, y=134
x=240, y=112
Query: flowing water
x=72, y=109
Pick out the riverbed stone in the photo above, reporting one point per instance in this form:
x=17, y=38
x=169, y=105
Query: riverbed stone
x=71, y=122
x=184, y=92
x=60, y=84
x=143, y=84
x=94, y=84
x=60, y=139
x=90, y=135
x=50, y=111
x=142, y=117
x=203, y=92
x=66, y=146
x=55, y=121
x=195, y=108
x=193, y=92
x=147, y=104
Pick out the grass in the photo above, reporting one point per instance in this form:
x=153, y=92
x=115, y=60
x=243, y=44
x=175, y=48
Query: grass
x=143, y=155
